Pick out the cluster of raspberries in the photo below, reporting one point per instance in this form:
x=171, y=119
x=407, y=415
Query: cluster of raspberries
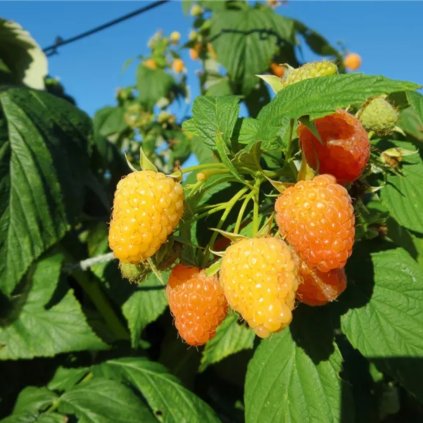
x=262, y=277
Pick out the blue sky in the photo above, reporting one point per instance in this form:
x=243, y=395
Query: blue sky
x=385, y=34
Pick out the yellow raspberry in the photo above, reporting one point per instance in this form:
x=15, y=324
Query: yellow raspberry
x=175, y=37
x=147, y=208
x=178, y=65
x=259, y=279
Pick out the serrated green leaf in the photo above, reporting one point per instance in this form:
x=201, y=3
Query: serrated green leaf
x=103, y=400
x=215, y=115
x=317, y=97
x=231, y=337
x=43, y=168
x=35, y=330
x=153, y=85
x=246, y=41
x=65, y=378
x=33, y=399
x=403, y=193
x=294, y=375
x=415, y=100
x=22, y=58
x=144, y=306
x=384, y=319
x=245, y=130
x=109, y=120
x=168, y=399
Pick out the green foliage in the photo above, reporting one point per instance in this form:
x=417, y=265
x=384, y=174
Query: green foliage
x=80, y=343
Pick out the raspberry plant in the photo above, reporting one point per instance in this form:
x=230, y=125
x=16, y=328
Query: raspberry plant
x=290, y=253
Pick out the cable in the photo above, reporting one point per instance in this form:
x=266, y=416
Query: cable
x=50, y=50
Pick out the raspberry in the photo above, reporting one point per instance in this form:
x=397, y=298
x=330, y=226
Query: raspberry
x=150, y=64
x=196, y=10
x=318, y=288
x=147, y=208
x=352, y=61
x=178, y=65
x=317, y=219
x=277, y=70
x=259, y=278
x=309, y=70
x=196, y=302
x=135, y=273
x=175, y=37
x=343, y=149
x=379, y=115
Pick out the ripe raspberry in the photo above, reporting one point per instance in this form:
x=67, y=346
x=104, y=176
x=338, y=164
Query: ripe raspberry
x=379, y=115
x=277, y=70
x=309, y=70
x=343, y=150
x=318, y=288
x=175, y=37
x=259, y=278
x=196, y=302
x=352, y=61
x=317, y=219
x=178, y=65
x=147, y=208
x=150, y=64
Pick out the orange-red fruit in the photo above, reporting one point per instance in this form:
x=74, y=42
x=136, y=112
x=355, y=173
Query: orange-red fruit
x=319, y=288
x=317, y=219
x=352, y=61
x=196, y=302
x=178, y=65
x=277, y=70
x=343, y=150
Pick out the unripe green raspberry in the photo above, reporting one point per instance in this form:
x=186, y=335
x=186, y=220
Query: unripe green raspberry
x=309, y=70
x=135, y=273
x=379, y=115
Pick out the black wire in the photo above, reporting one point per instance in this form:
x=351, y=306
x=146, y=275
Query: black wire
x=50, y=50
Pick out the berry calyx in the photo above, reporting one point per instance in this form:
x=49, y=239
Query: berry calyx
x=343, y=149
x=319, y=288
x=352, y=61
x=259, y=279
x=379, y=115
x=147, y=208
x=196, y=302
x=317, y=219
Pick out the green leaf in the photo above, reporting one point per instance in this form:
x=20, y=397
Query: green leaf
x=246, y=41
x=403, y=193
x=102, y=400
x=315, y=41
x=65, y=378
x=384, y=318
x=246, y=130
x=168, y=399
x=294, y=375
x=23, y=60
x=144, y=306
x=43, y=168
x=153, y=85
x=215, y=115
x=415, y=100
x=317, y=97
x=38, y=328
x=231, y=337
x=109, y=120
x=33, y=399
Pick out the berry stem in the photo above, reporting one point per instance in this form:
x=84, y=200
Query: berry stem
x=202, y=166
x=231, y=203
x=255, y=196
x=242, y=211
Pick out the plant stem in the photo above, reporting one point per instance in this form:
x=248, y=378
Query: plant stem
x=102, y=303
x=202, y=166
x=241, y=212
x=256, y=194
x=231, y=203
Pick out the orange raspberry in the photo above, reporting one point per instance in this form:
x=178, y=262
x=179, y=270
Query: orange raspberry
x=277, y=70
x=194, y=52
x=317, y=219
x=196, y=302
x=150, y=64
x=352, y=61
x=318, y=288
x=178, y=65
x=343, y=149
x=259, y=278
x=147, y=208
